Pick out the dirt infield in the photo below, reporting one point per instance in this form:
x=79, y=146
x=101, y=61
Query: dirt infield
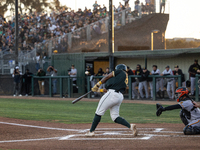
x=23, y=134
x=40, y=135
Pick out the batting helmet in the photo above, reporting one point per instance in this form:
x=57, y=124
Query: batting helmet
x=121, y=67
x=180, y=92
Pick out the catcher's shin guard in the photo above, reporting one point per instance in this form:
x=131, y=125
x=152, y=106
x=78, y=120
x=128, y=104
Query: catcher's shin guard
x=183, y=118
x=189, y=130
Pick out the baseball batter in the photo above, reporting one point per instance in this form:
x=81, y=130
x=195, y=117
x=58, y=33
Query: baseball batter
x=116, y=83
x=190, y=114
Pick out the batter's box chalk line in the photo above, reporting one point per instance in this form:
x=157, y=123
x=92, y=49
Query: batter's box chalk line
x=101, y=133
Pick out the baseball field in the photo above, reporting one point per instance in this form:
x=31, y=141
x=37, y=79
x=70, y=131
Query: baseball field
x=54, y=123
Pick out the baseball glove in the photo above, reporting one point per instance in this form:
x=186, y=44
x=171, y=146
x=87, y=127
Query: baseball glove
x=160, y=109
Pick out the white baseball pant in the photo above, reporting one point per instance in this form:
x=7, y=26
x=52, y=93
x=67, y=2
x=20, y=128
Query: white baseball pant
x=192, y=79
x=171, y=85
x=151, y=86
x=141, y=85
x=134, y=91
x=161, y=84
x=111, y=100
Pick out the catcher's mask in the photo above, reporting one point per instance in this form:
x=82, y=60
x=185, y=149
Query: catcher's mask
x=121, y=67
x=180, y=92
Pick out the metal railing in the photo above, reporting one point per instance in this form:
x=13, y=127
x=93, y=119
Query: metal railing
x=50, y=85
x=154, y=82
x=137, y=76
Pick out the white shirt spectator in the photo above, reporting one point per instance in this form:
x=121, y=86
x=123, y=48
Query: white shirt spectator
x=155, y=72
x=74, y=72
x=169, y=72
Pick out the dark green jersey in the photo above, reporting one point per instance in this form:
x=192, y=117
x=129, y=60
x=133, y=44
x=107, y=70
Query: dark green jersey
x=118, y=82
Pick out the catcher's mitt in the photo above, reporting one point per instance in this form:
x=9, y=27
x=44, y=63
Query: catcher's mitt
x=160, y=109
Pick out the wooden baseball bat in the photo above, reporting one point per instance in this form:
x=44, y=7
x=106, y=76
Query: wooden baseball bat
x=79, y=98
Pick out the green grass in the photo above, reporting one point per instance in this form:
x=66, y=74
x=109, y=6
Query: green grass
x=81, y=112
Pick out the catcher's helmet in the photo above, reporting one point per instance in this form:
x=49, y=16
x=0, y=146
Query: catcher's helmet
x=180, y=92
x=121, y=67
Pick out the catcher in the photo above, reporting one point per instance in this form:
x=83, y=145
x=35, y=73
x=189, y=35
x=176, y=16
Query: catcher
x=189, y=114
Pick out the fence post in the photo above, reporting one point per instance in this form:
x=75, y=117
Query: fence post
x=197, y=88
x=179, y=81
x=61, y=87
x=130, y=87
x=50, y=87
x=123, y=17
x=154, y=88
x=140, y=11
x=70, y=40
x=88, y=86
x=69, y=88
x=32, y=85
x=88, y=33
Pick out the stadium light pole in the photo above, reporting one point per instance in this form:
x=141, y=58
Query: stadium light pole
x=16, y=32
x=111, y=36
x=152, y=32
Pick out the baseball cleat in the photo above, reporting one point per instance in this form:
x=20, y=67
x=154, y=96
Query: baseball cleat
x=90, y=134
x=134, y=129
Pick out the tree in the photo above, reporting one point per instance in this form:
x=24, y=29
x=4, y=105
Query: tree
x=30, y=5
x=5, y=4
x=182, y=43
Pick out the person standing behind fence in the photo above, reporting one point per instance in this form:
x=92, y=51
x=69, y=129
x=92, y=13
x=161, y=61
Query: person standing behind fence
x=155, y=72
x=27, y=80
x=134, y=83
x=41, y=73
x=16, y=74
x=53, y=73
x=105, y=74
x=179, y=72
x=170, y=82
x=142, y=81
x=193, y=70
x=162, y=5
x=100, y=73
x=73, y=74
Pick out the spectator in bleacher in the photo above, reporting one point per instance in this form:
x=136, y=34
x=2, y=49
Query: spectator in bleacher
x=162, y=5
x=95, y=5
x=125, y=2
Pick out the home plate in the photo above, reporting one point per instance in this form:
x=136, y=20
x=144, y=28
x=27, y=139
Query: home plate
x=111, y=133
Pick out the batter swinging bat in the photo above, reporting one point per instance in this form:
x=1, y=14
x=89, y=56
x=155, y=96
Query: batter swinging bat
x=79, y=98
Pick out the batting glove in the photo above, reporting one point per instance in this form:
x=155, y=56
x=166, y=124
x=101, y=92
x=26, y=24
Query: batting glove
x=96, y=87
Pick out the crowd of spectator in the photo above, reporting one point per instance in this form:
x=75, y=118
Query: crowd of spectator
x=38, y=27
